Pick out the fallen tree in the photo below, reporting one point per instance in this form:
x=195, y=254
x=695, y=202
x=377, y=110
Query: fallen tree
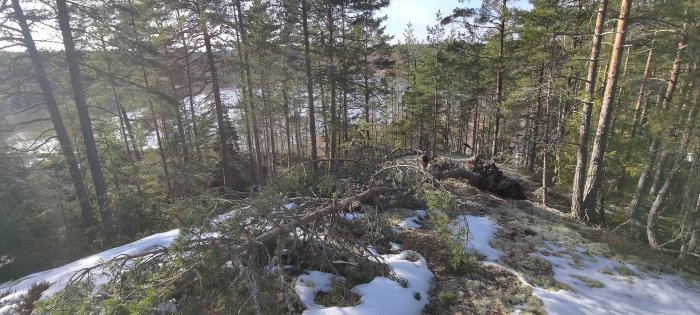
x=333, y=208
x=485, y=176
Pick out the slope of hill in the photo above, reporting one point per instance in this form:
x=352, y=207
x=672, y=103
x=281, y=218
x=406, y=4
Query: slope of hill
x=485, y=255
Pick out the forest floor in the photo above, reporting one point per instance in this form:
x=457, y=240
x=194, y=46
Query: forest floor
x=536, y=259
x=524, y=258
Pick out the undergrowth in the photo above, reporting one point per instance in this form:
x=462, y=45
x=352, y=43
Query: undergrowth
x=197, y=275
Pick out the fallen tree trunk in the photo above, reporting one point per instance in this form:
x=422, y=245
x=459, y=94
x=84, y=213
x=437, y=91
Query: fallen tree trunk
x=289, y=227
x=487, y=177
x=473, y=178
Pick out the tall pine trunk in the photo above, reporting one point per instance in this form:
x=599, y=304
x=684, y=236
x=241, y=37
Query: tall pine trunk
x=84, y=117
x=641, y=95
x=595, y=170
x=499, y=78
x=641, y=192
x=87, y=217
x=309, y=83
x=227, y=169
x=190, y=93
x=654, y=211
x=536, y=121
x=577, y=209
x=243, y=50
x=331, y=79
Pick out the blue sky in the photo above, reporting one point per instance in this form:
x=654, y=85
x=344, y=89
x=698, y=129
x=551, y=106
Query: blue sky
x=422, y=14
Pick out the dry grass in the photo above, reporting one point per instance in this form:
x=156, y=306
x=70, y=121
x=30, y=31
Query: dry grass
x=341, y=295
x=26, y=306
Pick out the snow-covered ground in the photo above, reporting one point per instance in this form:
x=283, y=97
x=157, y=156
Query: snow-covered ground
x=413, y=222
x=59, y=277
x=598, y=285
x=603, y=286
x=482, y=230
x=380, y=296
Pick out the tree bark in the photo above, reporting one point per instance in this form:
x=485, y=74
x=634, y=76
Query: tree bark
x=536, y=122
x=190, y=96
x=181, y=138
x=577, y=210
x=546, y=146
x=499, y=77
x=159, y=138
x=228, y=173
x=654, y=211
x=641, y=96
x=639, y=192
x=675, y=71
x=249, y=85
x=123, y=114
x=309, y=83
x=287, y=128
x=93, y=156
x=331, y=79
x=595, y=169
x=87, y=217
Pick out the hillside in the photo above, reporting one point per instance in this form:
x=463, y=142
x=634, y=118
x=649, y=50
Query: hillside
x=461, y=251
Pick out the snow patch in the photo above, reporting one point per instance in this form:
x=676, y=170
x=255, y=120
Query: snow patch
x=352, y=216
x=600, y=288
x=311, y=283
x=7, y=310
x=59, y=277
x=382, y=295
x=413, y=222
x=598, y=285
x=481, y=229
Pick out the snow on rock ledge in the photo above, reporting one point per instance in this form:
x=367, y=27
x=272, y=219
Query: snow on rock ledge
x=381, y=296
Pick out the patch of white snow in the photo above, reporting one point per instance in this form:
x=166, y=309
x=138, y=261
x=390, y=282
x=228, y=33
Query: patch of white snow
x=381, y=296
x=352, y=216
x=612, y=292
x=395, y=247
x=410, y=223
x=481, y=229
x=59, y=277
